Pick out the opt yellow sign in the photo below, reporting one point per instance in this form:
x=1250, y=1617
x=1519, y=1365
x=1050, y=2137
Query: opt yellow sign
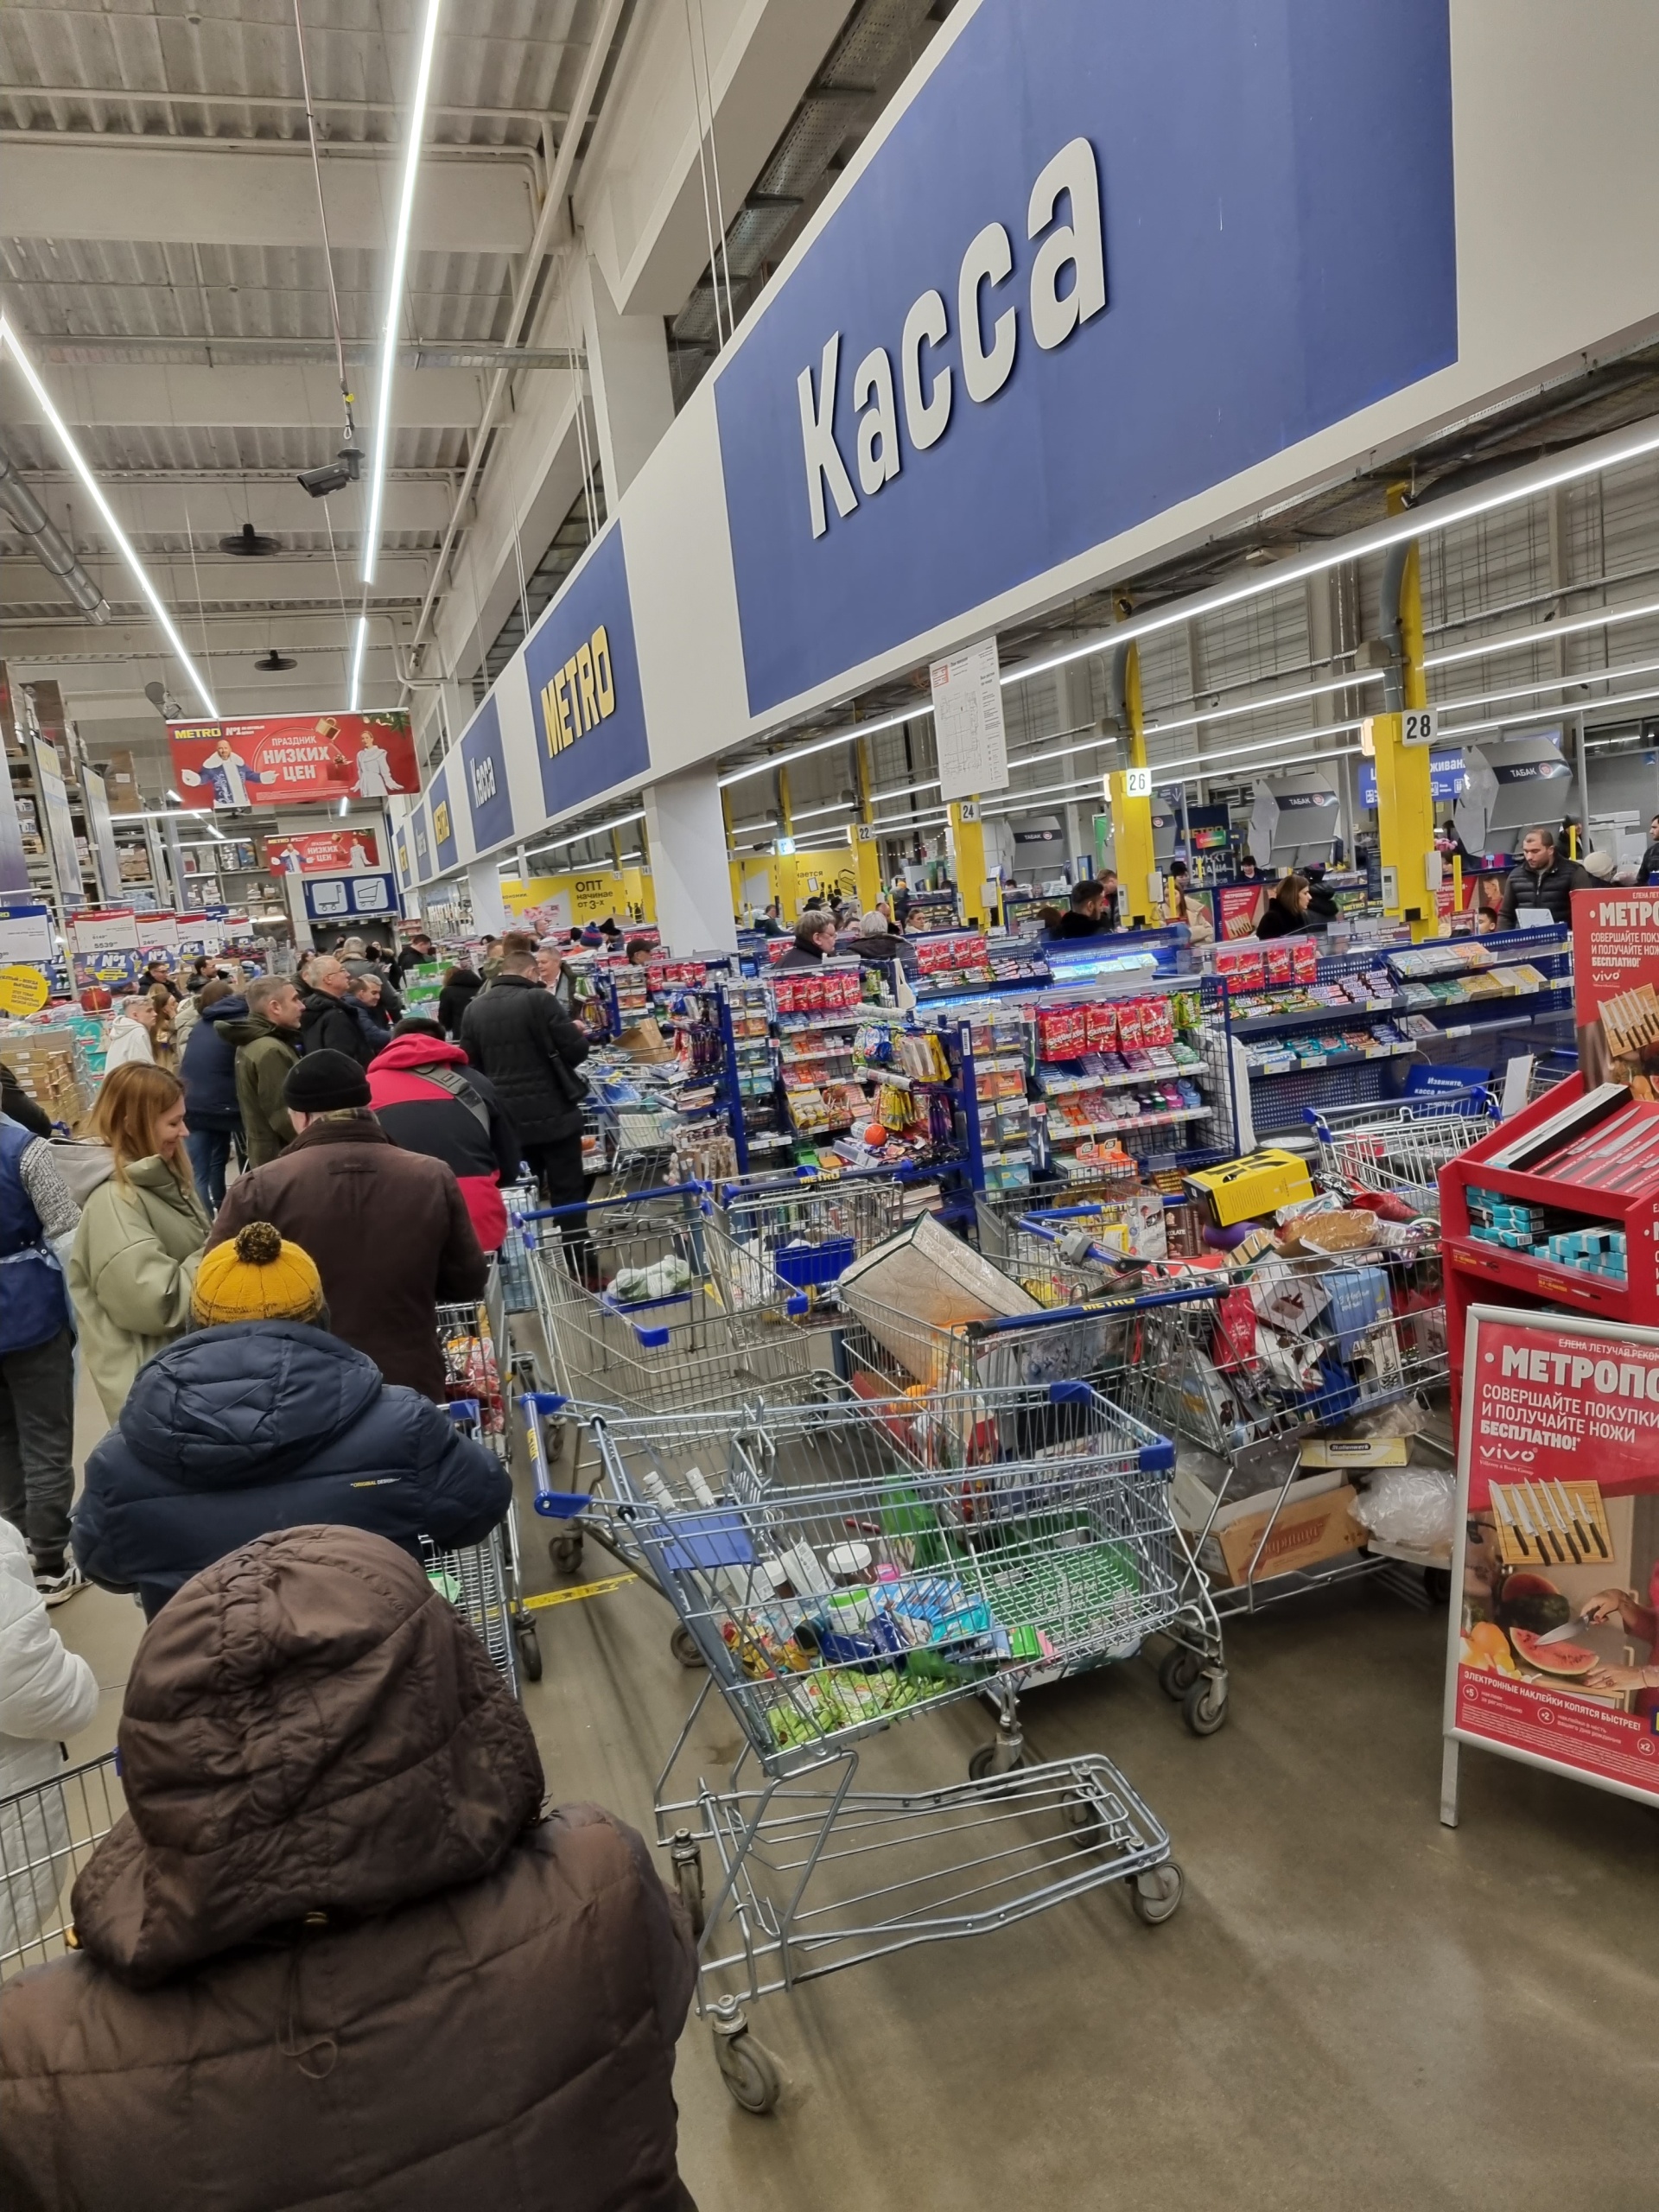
x=23, y=990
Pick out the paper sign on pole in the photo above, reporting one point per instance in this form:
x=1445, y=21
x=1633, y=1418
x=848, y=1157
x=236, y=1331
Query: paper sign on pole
x=1553, y=1647
x=968, y=723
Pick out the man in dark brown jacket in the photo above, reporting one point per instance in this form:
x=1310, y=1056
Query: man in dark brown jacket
x=389, y=1229
x=335, y=1953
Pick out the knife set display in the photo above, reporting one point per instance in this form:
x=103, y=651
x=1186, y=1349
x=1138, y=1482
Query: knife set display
x=1550, y=1524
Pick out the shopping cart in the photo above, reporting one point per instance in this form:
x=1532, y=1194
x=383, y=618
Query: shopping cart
x=842, y=1568
x=1247, y=1365
x=1399, y=1154
x=645, y=1304
x=47, y=1836
x=485, y=1580
x=808, y=1228
x=517, y=1290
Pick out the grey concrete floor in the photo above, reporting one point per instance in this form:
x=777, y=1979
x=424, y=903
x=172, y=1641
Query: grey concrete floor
x=1353, y=2006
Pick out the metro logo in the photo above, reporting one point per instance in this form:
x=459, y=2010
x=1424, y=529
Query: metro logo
x=441, y=821
x=483, y=781
x=582, y=694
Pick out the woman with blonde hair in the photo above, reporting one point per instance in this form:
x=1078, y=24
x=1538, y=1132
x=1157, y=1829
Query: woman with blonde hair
x=141, y=1233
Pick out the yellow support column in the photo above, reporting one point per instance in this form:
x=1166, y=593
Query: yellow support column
x=1132, y=812
x=788, y=888
x=867, y=852
x=967, y=840
x=1405, y=798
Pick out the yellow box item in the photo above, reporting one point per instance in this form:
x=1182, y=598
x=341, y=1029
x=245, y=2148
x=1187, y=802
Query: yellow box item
x=1244, y=1190
x=1356, y=1452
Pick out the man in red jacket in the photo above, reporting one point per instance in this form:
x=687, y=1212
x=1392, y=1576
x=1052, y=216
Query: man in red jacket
x=427, y=1098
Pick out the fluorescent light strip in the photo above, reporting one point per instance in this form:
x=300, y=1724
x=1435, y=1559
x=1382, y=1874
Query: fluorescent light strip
x=1261, y=706
x=580, y=836
x=1551, y=683
x=394, y=304
x=822, y=744
x=1543, y=632
x=906, y=791
x=807, y=813
x=124, y=545
x=1591, y=459
x=357, y=644
x=1455, y=733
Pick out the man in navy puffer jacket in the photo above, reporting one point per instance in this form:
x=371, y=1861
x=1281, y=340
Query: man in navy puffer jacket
x=260, y=1419
x=209, y=1073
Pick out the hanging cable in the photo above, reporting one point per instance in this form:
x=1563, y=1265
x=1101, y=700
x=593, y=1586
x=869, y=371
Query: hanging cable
x=323, y=219
x=714, y=162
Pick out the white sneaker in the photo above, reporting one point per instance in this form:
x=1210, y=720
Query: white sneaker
x=57, y=1589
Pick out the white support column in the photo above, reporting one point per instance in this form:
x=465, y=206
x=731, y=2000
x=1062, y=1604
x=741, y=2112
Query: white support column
x=688, y=870
x=627, y=375
x=489, y=915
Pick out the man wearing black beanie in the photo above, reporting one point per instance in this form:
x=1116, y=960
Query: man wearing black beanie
x=389, y=1229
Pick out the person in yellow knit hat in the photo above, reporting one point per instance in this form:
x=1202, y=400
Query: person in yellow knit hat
x=261, y=1419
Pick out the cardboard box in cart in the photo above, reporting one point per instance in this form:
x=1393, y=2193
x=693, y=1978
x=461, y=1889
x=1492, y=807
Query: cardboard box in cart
x=1315, y=1523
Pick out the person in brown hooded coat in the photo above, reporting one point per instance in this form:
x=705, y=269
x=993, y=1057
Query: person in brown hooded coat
x=336, y=1952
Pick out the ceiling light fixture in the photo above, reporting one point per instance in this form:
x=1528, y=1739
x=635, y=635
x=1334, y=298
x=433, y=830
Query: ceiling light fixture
x=358, y=643
x=9, y=339
x=1579, y=680
x=1543, y=634
x=822, y=744
x=395, y=302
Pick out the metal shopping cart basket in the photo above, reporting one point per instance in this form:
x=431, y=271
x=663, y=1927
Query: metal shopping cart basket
x=806, y=1228
x=1399, y=1154
x=1247, y=1365
x=47, y=1836
x=843, y=1569
x=645, y=1304
x=485, y=1581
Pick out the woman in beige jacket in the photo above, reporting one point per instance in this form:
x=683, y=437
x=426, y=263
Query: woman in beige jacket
x=140, y=1234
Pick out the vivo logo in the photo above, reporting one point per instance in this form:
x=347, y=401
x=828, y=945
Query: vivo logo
x=988, y=337
x=483, y=776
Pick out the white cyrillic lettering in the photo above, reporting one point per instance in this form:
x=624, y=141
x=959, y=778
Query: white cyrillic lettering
x=925, y=419
x=988, y=260
x=1072, y=171
x=1633, y=1382
x=824, y=462
x=878, y=427
x=1581, y=1368
x=1608, y=1376
x=1514, y=1359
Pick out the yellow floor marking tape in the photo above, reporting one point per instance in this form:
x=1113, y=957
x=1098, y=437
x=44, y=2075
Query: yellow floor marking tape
x=582, y=1590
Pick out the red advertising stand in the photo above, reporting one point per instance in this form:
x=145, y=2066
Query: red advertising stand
x=1554, y=1647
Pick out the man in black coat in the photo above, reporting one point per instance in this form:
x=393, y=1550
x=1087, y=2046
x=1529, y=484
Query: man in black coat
x=1545, y=878
x=328, y=1024
x=518, y=1034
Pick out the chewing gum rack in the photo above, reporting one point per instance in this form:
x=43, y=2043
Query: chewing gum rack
x=1586, y=1158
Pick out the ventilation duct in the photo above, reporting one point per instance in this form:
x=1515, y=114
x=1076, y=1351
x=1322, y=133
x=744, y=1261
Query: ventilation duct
x=46, y=542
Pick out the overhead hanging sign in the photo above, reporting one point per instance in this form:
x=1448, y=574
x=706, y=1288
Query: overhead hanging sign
x=968, y=723
x=350, y=898
x=1097, y=266
x=1553, y=1652
x=59, y=823
x=584, y=682
x=323, y=852
x=1447, y=779
x=25, y=933
x=104, y=929
x=293, y=759
x=484, y=766
x=443, y=827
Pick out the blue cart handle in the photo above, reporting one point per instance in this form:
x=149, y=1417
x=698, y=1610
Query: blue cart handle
x=1099, y=1309
x=629, y=1198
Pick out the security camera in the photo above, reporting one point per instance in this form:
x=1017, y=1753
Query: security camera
x=333, y=475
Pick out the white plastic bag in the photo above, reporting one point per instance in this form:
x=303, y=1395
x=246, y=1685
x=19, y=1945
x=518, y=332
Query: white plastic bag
x=1410, y=1506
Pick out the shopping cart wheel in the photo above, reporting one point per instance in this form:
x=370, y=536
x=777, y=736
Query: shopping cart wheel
x=1204, y=1706
x=1081, y=1817
x=684, y=1645
x=1179, y=1672
x=565, y=1552
x=748, y=2068
x=991, y=1758
x=1156, y=1893
x=530, y=1649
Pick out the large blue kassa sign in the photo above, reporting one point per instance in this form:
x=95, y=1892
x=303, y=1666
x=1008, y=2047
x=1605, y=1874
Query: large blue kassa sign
x=584, y=683
x=483, y=764
x=1111, y=254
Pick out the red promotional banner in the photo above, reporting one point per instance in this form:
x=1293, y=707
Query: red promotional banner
x=292, y=759
x=1616, y=986
x=323, y=852
x=1554, y=1651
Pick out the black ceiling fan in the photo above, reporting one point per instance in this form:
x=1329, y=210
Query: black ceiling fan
x=273, y=663
x=248, y=541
